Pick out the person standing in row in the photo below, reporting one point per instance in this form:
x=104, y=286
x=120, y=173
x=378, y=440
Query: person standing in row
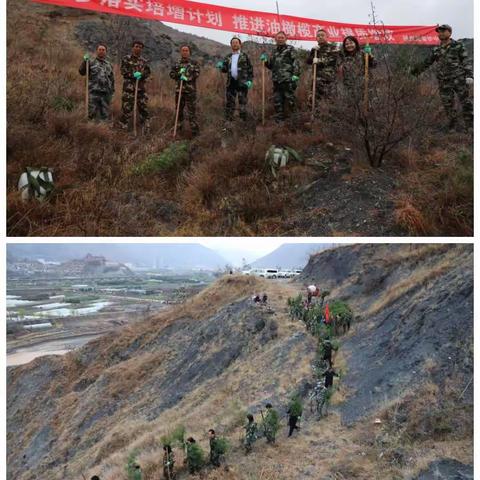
x=101, y=83
x=285, y=68
x=454, y=74
x=185, y=72
x=135, y=71
x=239, y=70
x=325, y=56
x=352, y=65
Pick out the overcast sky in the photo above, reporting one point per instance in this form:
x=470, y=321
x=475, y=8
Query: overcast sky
x=457, y=13
x=251, y=248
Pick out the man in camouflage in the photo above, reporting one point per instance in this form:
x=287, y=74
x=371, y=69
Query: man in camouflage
x=101, y=83
x=319, y=399
x=250, y=433
x=285, y=69
x=454, y=75
x=185, y=72
x=239, y=72
x=135, y=68
x=326, y=59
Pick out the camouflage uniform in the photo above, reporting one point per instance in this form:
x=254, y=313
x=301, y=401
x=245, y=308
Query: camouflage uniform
x=168, y=465
x=214, y=452
x=453, y=67
x=353, y=70
x=327, y=54
x=189, y=90
x=130, y=65
x=101, y=86
x=284, y=65
x=250, y=435
x=319, y=398
x=237, y=86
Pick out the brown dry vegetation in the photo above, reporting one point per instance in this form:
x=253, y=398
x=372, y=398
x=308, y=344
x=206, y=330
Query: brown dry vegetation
x=219, y=191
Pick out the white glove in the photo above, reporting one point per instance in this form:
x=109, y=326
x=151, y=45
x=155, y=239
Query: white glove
x=469, y=81
x=316, y=60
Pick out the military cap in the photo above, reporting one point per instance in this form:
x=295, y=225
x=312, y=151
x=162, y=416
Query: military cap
x=444, y=27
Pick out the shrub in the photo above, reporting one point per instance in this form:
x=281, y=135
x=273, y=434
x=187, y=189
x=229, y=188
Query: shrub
x=175, y=437
x=195, y=457
x=174, y=156
x=296, y=406
x=130, y=467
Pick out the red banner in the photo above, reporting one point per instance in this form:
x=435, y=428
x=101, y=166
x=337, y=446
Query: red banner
x=251, y=22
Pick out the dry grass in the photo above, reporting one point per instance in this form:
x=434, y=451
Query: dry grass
x=437, y=197
x=416, y=281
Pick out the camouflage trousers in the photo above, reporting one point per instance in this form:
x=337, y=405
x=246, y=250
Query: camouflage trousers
x=447, y=94
x=99, y=105
x=323, y=91
x=128, y=100
x=234, y=90
x=284, y=100
x=188, y=100
x=248, y=442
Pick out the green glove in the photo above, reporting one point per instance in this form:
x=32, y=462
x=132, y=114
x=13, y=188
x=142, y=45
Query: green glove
x=367, y=49
x=184, y=78
x=219, y=65
x=137, y=75
x=86, y=57
x=264, y=57
x=249, y=84
x=295, y=78
x=183, y=70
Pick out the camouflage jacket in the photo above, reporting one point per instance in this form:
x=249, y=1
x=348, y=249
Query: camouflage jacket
x=130, y=65
x=451, y=61
x=245, y=68
x=328, y=56
x=284, y=64
x=192, y=72
x=101, y=79
x=319, y=393
x=352, y=68
x=250, y=431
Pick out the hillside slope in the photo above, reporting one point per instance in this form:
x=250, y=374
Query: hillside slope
x=207, y=362
x=417, y=304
